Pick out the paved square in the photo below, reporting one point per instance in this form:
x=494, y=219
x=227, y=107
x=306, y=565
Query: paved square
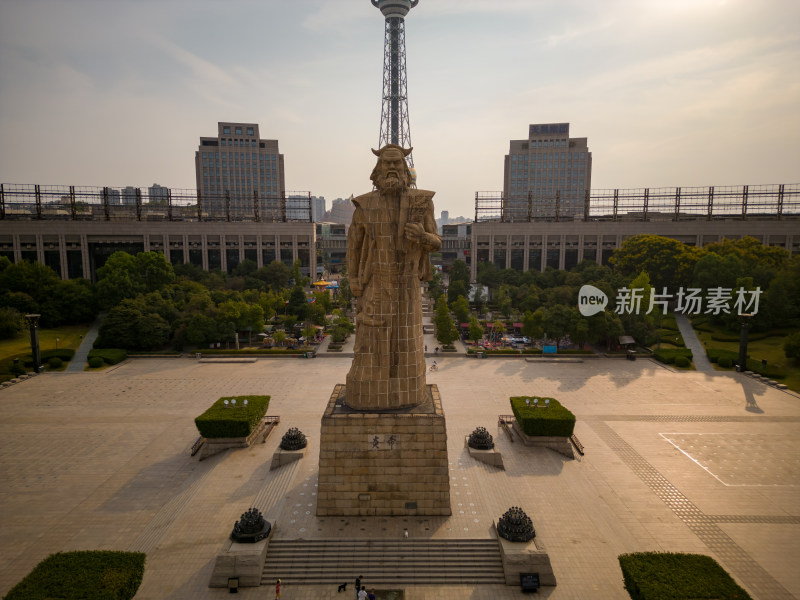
x=739, y=459
x=102, y=461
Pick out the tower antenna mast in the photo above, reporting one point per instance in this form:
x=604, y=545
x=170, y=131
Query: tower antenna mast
x=394, y=109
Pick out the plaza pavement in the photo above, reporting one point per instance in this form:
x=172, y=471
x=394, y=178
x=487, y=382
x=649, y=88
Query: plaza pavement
x=682, y=462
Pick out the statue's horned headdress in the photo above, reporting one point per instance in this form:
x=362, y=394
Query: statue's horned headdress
x=405, y=151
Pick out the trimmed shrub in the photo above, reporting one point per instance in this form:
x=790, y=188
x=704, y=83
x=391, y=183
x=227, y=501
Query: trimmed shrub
x=715, y=354
x=553, y=421
x=771, y=371
x=682, y=362
x=65, y=354
x=725, y=362
x=668, y=355
x=110, y=356
x=674, y=576
x=95, y=362
x=54, y=362
x=17, y=369
x=298, y=350
x=221, y=422
x=93, y=575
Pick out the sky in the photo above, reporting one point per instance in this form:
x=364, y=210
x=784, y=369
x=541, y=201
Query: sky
x=668, y=92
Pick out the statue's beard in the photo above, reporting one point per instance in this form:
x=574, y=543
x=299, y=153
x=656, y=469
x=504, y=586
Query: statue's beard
x=390, y=183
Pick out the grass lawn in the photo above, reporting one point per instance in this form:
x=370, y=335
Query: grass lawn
x=69, y=336
x=770, y=348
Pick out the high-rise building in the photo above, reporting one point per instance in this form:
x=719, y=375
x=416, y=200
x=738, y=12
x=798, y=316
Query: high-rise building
x=317, y=208
x=236, y=168
x=157, y=194
x=546, y=175
x=129, y=195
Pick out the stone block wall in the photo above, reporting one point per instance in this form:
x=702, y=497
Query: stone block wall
x=387, y=463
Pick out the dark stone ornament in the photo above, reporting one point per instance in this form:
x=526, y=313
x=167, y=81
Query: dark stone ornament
x=251, y=528
x=294, y=439
x=516, y=526
x=480, y=439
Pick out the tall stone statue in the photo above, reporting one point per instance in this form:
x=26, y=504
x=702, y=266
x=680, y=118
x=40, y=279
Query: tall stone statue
x=391, y=236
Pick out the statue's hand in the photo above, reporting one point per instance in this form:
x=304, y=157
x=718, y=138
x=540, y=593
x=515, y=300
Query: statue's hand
x=415, y=233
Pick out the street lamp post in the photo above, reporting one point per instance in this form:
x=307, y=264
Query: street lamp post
x=744, y=320
x=33, y=323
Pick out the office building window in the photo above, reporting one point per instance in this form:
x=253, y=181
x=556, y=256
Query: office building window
x=226, y=130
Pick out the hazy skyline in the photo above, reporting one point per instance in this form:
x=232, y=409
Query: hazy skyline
x=668, y=92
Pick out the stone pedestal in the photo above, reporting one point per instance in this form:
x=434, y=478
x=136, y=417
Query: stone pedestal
x=490, y=457
x=562, y=445
x=525, y=557
x=213, y=446
x=388, y=463
x=243, y=561
x=284, y=457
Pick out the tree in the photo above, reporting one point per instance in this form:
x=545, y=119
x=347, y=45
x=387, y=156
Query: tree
x=299, y=279
x=488, y=275
x=119, y=327
x=791, y=346
x=32, y=278
x=446, y=331
x=309, y=331
x=457, y=289
x=558, y=321
x=126, y=276
x=752, y=252
x=298, y=303
x=276, y=275
x=435, y=287
x=475, y=330
x=498, y=329
x=532, y=324
x=461, y=309
x=11, y=322
x=245, y=268
x=459, y=272
x=669, y=262
x=279, y=337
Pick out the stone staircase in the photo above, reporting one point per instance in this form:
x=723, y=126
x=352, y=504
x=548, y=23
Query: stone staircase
x=384, y=562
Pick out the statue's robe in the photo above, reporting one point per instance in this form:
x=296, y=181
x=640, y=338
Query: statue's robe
x=385, y=271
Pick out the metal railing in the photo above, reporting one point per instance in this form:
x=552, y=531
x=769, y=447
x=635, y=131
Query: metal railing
x=644, y=204
x=82, y=203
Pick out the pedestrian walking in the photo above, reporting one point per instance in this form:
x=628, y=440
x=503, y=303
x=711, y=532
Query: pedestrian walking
x=362, y=595
x=371, y=595
x=358, y=585
x=278, y=590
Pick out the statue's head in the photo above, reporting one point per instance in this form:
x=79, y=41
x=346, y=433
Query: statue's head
x=391, y=173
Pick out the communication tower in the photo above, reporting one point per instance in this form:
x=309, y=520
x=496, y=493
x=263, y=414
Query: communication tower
x=394, y=110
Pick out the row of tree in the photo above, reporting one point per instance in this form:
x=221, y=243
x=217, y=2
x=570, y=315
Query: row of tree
x=546, y=302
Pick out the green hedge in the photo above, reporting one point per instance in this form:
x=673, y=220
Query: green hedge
x=299, y=350
x=668, y=355
x=92, y=575
x=771, y=371
x=536, y=351
x=221, y=422
x=95, y=362
x=553, y=421
x=714, y=354
x=670, y=339
x=65, y=354
x=672, y=576
x=110, y=356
